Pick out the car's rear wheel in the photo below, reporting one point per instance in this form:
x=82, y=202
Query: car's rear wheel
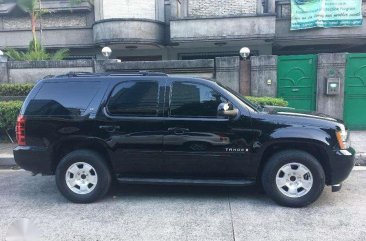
x=293, y=178
x=83, y=176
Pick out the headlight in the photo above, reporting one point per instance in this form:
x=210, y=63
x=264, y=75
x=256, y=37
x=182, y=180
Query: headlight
x=342, y=137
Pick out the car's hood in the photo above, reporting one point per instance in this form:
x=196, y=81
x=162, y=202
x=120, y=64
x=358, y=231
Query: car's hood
x=295, y=116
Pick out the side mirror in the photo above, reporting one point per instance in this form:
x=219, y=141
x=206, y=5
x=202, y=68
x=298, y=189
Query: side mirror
x=226, y=109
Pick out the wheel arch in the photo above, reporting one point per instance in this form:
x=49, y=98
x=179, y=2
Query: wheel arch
x=315, y=149
x=66, y=146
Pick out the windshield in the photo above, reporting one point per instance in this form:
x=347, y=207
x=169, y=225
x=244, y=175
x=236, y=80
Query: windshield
x=252, y=105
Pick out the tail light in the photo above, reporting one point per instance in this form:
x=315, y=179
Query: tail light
x=20, y=130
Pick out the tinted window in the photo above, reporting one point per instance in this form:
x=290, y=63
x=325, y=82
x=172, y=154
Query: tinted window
x=194, y=100
x=63, y=99
x=134, y=98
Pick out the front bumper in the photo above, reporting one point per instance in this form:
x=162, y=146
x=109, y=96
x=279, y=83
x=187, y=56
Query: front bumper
x=341, y=164
x=33, y=159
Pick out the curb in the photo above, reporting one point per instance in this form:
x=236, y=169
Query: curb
x=361, y=159
x=7, y=161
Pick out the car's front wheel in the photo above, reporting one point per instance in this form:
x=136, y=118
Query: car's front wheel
x=293, y=178
x=83, y=176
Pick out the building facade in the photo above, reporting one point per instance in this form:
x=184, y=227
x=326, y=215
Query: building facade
x=173, y=29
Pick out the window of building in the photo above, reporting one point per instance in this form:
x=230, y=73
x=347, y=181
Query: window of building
x=194, y=100
x=134, y=98
x=212, y=55
x=140, y=58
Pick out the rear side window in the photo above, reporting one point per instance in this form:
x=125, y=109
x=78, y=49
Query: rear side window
x=63, y=98
x=134, y=98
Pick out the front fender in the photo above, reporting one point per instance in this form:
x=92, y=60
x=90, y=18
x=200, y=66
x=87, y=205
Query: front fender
x=315, y=135
x=305, y=138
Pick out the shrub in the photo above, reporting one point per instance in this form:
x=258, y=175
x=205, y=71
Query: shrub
x=36, y=52
x=9, y=111
x=268, y=101
x=15, y=89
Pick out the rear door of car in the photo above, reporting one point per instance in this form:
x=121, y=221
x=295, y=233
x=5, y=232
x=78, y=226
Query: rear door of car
x=131, y=123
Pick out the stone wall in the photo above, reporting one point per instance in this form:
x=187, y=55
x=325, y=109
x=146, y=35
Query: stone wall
x=204, y=68
x=23, y=71
x=3, y=69
x=54, y=20
x=206, y=8
x=331, y=66
x=227, y=72
x=264, y=75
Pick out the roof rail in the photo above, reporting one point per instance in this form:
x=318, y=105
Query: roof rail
x=48, y=76
x=88, y=74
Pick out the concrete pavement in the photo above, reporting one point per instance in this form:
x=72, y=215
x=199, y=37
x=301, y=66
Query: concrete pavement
x=6, y=155
x=136, y=212
x=358, y=142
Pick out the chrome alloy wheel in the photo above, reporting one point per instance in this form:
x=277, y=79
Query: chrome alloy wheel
x=294, y=180
x=81, y=178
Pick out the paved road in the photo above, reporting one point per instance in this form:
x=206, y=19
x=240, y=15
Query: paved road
x=181, y=213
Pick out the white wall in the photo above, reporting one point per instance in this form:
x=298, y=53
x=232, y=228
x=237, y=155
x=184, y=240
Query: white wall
x=129, y=9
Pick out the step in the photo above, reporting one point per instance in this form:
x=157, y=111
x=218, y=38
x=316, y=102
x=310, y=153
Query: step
x=186, y=181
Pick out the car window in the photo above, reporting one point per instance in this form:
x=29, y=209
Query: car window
x=134, y=98
x=69, y=98
x=194, y=100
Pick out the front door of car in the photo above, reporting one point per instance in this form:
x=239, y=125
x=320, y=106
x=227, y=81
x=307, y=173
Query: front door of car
x=198, y=142
x=132, y=126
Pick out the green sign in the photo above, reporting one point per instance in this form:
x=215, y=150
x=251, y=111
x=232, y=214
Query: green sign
x=325, y=13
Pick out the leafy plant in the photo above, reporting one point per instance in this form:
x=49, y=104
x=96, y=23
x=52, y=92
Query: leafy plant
x=60, y=54
x=15, y=89
x=14, y=54
x=36, y=52
x=268, y=101
x=9, y=111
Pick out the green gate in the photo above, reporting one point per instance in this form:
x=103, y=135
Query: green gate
x=355, y=92
x=296, y=80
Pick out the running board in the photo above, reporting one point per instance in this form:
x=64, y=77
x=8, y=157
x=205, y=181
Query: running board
x=181, y=181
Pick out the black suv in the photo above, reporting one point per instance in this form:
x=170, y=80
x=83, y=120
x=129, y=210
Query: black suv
x=91, y=129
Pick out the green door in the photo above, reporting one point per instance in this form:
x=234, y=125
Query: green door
x=296, y=80
x=355, y=92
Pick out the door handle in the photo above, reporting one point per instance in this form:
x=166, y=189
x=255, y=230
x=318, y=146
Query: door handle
x=109, y=128
x=178, y=131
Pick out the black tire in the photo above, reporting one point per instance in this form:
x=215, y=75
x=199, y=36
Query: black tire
x=280, y=159
x=101, y=168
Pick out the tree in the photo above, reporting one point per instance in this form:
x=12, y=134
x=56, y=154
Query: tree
x=35, y=50
x=32, y=7
x=36, y=53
